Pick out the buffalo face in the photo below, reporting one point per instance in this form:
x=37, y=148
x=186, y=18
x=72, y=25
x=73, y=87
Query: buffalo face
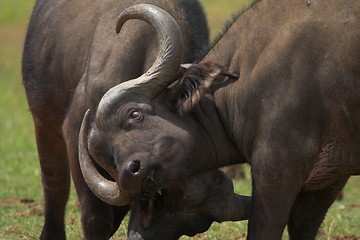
x=140, y=133
x=138, y=162
x=112, y=136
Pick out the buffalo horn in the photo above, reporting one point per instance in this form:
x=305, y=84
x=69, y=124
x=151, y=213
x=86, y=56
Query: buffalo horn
x=170, y=54
x=167, y=63
x=108, y=191
x=238, y=208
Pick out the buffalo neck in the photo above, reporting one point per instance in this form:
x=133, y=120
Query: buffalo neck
x=214, y=143
x=242, y=49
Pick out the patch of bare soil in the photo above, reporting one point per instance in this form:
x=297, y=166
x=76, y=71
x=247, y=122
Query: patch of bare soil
x=21, y=208
x=11, y=230
x=345, y=237
x=339, y=237
x=354, y=205
x=34, y=208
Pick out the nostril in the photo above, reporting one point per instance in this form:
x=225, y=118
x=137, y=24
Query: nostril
x=134, y=166
x=131, y=175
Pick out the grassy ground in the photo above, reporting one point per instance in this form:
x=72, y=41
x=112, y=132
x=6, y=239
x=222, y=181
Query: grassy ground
x=21, y=200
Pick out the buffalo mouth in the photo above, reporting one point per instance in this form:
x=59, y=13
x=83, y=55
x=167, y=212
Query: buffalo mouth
x=156, y=197
x=187, y=206
x=154, y=204
x=152, y=186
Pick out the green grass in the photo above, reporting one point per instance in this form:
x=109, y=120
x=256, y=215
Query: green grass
x=219, y=12
x=15, y=11
x=21, y=199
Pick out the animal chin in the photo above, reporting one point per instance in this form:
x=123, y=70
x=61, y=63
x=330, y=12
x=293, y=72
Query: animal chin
x=147, y=208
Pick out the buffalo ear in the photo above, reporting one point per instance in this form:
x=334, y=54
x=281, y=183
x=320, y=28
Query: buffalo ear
x=197, y=80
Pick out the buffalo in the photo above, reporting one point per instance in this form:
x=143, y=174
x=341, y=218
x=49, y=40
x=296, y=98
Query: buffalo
x=72, y=56
x=293, y=115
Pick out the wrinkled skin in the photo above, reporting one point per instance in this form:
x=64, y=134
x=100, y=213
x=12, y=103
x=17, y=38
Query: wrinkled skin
x=72, y=56
x=293, y=115
x=189, y=209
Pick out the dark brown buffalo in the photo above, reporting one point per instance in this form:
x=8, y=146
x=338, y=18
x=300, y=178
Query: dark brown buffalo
x=72, y=56
x=293, y=115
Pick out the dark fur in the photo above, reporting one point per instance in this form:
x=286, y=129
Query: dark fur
x=72, y=56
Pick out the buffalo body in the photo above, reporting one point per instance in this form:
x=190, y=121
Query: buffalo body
x=72, y=56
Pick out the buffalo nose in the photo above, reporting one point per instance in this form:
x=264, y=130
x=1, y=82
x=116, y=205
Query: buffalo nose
x=134, y=166
x=132, y=176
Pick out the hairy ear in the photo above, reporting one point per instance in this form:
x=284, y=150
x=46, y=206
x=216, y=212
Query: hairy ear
x=197, y=80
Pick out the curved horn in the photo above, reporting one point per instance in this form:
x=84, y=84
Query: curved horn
x=238, y=208
x=171, y=47
x=231, y=206
x=167, y=63
x=108, y=191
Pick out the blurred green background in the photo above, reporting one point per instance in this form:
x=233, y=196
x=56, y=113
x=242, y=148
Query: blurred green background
x=21, y=199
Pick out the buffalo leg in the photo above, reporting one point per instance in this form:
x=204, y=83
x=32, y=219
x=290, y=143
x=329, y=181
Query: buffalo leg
x=309, y=211
x=55, y=178
x=99, y=220
x=119, y=214
x=271, y=206
x=274, y=190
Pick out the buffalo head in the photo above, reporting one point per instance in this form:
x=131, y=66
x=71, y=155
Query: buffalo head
x=189, y=210
x=140, y=133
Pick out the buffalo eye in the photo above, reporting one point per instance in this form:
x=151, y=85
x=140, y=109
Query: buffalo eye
x=136, y=115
